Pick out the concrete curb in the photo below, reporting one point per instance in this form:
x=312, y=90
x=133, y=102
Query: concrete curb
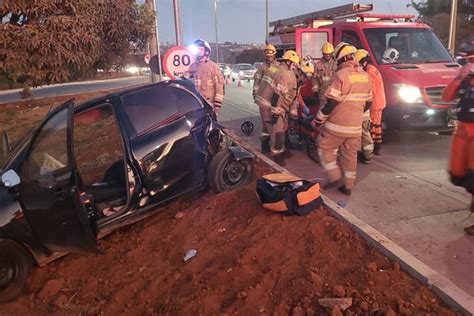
x=2, y=92
x=452, y=295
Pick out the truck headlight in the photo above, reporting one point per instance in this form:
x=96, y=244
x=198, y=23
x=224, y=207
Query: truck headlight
x=408, y=94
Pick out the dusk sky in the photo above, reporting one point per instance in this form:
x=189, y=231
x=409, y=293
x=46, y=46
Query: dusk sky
x=243, y=21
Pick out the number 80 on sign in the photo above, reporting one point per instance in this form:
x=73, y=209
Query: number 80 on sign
x=177, y=61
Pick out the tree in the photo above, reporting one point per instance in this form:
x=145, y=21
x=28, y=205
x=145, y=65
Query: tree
x=250, y=56
x=48, y=41
x=437, y=14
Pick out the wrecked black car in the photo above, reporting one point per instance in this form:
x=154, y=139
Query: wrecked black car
x=89, y=169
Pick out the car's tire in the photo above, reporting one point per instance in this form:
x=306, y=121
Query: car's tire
x=226, y=173
x=16, y=264
x=233, y=79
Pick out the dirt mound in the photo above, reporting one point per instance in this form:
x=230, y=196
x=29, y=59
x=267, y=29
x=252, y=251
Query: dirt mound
x=249, y=261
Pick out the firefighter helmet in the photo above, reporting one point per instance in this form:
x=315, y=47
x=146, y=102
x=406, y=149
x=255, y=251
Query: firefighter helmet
x=327, y=48
x=307, y=65
x=344, y=50
x=269, y=50
x=292, y=56
x=360, y=55
x=391, y=55
x=202, y=43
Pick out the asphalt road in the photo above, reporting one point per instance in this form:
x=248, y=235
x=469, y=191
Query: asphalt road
x=405, y=193
x=74, y=88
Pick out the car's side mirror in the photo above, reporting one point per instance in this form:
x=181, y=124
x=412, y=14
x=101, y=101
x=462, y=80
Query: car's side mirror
x=10, y=179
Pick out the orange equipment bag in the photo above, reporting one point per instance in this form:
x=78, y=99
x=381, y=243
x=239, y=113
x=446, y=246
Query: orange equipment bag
x=287, y=194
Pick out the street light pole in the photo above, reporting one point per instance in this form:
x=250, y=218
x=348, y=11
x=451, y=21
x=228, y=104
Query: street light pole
x=154, y=46
x=215, y=25
x=177, y=24
x=266, y=18
x=452, y=26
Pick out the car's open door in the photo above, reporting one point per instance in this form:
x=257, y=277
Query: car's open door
x=50, y=189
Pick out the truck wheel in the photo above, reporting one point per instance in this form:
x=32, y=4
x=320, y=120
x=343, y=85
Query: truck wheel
x=226, y=173
x=15, y=268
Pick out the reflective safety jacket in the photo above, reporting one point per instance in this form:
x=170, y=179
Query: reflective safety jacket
x=464, y=89
x=262, y=71
x=349, y=95
x=378, y=92
x=324, y=72
x=285, y=86
x=265, y=90
x=209, y=81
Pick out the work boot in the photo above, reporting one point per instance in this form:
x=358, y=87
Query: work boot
x=265, y=144
x=344, y=190
x=469, y=230
x=377, y=148
x=279, y=159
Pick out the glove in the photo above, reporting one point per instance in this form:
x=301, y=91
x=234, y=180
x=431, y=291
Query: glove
x=278, y=111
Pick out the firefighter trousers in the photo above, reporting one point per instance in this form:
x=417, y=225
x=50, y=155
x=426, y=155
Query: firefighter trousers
x=276, y=130
x=461, y=162
x=367, y=143
x=265, y=115
x=328, y=147
x=376, y=126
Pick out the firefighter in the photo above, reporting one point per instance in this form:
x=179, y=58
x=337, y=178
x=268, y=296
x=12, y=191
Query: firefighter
x=461, y=165
x=275, y=98
x=324, y=72
x=348, y=96
x=372, y=141
x=207, y=75
x=263, y=78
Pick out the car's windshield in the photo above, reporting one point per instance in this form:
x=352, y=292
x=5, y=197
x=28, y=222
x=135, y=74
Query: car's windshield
x=245, y=67
x=406, y=45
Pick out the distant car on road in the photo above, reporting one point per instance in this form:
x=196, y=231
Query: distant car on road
x=225, y=70
x=89, y=169
x=242, y=72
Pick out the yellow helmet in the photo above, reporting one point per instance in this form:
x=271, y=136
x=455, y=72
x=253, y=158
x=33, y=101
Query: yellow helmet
x=307, y=65
x=360, y=54
x=344, y=49
x=291, y=55
x=269, y=50
x=327, y=48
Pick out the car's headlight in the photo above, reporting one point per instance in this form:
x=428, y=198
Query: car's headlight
x=408, y=94
x=132, y=69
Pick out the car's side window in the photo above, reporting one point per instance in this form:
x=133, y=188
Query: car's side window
x=147, y=108
x=50, y=149
x=186, y=101
x=98, y=145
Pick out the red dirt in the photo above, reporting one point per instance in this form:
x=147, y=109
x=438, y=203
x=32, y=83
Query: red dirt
x=249, y=261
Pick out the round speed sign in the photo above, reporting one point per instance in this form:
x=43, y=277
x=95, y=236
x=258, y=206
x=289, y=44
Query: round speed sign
x=176, y=61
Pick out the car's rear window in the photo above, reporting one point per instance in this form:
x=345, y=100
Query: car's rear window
x=152, y=106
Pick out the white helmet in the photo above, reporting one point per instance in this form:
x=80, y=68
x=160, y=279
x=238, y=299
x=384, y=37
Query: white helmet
x=391, y=55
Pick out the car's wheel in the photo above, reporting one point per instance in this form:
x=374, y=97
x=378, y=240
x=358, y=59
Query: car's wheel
x=226, y=173
x=233, y=79
x=16, y=264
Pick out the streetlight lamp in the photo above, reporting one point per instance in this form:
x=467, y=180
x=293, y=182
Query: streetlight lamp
x=215, y=25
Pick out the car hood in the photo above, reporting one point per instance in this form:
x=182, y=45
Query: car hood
x=419, y=75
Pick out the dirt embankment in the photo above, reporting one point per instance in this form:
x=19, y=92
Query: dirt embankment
x=248, y=261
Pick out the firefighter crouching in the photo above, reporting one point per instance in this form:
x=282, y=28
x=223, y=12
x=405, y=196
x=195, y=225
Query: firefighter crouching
x=207, y=75
x=461, y=164
x=372, y=124
x=324, y=72
x=275, y=99
x=348, y=96
x=262, y=79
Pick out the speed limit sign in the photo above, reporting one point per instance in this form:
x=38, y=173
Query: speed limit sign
x=176, y=61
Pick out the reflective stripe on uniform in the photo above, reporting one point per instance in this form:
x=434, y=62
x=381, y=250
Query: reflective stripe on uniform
x=358, y=97
x=330, y=166
x=334, y=94
x=219, y=97
x=358, y=78
x=343, y=129
x=262, y=101
x=350, y=174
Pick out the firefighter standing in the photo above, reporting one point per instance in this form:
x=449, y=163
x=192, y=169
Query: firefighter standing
x=274, y=99
x=348, y=96
x=262, y=78
x=372, y=139
x=207, y=75
x=324, y=72
x=461, y=165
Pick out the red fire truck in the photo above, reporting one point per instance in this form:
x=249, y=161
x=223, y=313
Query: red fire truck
x=413, y=81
